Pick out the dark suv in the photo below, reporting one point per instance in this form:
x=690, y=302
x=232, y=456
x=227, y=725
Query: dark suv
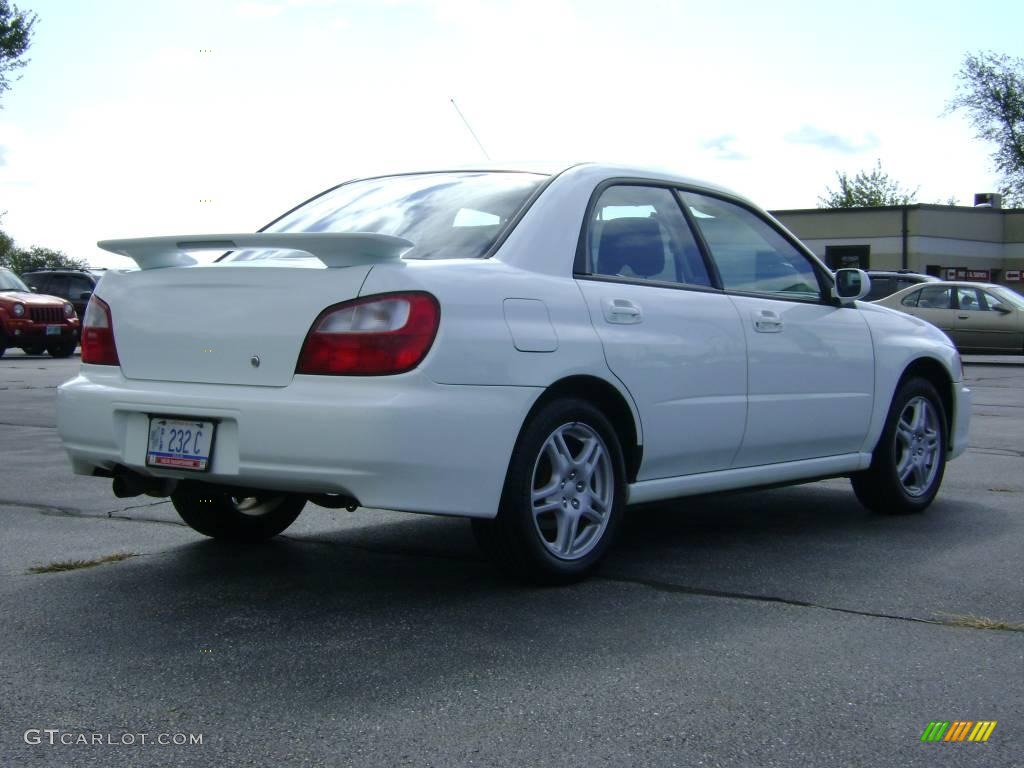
x=887, y=283
x=74, y=285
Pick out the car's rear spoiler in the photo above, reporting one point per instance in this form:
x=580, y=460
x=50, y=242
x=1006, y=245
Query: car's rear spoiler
x=334, y=249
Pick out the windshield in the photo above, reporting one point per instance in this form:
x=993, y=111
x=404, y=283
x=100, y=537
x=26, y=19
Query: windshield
x=11, y=282
x=1009, y=295
x=453, y=215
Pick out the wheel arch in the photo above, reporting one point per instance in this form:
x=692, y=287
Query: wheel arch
x=611, y=402
x=934, y=372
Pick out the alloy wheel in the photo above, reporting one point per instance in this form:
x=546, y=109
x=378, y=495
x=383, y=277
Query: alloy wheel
x=573, y=490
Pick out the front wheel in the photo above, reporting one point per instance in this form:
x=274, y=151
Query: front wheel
x=910, y=458
x=222, y=515
x=33, y=349
x=64, y=348
x=563, y=497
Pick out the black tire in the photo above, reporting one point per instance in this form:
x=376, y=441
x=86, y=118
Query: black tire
x=220, y=515
x=64, y=348
x=34, y=349
x=584, y=504
x=3, y=343
x=884, y=488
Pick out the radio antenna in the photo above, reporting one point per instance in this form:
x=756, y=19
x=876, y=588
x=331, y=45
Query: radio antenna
x=470, y=129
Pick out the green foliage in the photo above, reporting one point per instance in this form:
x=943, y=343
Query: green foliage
x=866, y=190
x=15, y=39
x=21, y=260
x=991, y=90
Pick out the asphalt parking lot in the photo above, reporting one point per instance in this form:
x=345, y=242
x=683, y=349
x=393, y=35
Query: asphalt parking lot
x=779, y=628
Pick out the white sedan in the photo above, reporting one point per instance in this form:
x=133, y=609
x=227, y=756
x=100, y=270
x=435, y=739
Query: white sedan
x=535, y=350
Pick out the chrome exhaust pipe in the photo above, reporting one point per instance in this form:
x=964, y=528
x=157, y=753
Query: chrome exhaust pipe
x=335, y=501
x=128, y=484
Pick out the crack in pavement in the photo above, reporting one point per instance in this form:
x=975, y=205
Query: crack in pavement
x=684, y=590
x=54, y=510
x=996, y=451
x=653, y=584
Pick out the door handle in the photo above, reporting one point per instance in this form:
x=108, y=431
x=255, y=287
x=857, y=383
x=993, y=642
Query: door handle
x=622, y=311
x=766, y=321
x=963, y=317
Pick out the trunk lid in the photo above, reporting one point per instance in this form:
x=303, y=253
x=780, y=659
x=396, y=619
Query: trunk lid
x=227, y=323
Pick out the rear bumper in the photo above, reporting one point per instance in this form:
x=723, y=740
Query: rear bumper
x=397, y=442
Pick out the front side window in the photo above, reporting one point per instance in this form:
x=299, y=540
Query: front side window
x=452, y=215
x=751, y=256
x=967, y=298
x=640, y=232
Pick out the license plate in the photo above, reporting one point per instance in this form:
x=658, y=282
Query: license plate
x=179, y=443
x=53, y=330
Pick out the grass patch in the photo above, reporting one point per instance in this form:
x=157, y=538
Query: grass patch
x=75, y=565
x=971, y=621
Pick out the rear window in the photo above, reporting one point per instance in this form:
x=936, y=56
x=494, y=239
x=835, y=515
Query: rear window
x=453, y=215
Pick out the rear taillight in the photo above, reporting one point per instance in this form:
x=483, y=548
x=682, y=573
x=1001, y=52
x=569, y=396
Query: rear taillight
x=373, y=336
x=98, y=347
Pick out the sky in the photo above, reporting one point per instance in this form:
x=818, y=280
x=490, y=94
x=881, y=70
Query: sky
x=156, y=118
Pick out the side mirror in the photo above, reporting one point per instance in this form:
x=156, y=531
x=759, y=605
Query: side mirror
x=85, y=296
x=1002, y=310
x=851, y=284
x=33, y=289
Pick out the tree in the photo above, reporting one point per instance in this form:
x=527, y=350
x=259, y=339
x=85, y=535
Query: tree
x=15, y=38
x=21, y=260
x=866, y=190
x=991, y=90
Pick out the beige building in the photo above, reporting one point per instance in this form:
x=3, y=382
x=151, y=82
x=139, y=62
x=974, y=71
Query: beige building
x=951, y=242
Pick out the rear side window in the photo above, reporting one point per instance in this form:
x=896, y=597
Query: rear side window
x=58, y=286
x=445, y=215
x=751, y=256
x=881, y=287
x=910, y=300
x=640, y=232
x=79, y=285
x=934, y=297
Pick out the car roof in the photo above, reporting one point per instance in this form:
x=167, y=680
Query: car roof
x=549, y=168
x=944, y=283
x=906, y=274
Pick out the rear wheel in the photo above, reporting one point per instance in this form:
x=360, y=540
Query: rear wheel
x=910, y=458
x=34, y=349
x=3, y=343
x=563, y=496
x=222, y=515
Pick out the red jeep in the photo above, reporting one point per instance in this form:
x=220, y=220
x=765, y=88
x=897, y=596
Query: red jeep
x=33, y=322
